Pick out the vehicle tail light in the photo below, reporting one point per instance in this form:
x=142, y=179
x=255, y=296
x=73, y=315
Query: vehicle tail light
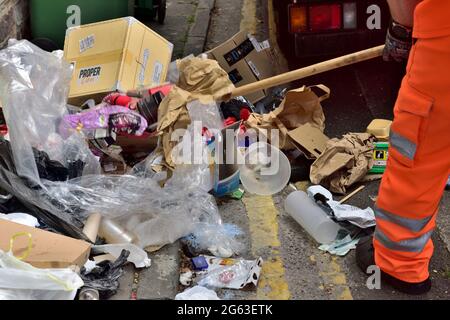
x=325, y=17
x=298, y=19
x=350, y=15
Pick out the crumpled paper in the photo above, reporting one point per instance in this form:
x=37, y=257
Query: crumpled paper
x=344, y=162
x=199, y=79
x=300, y=106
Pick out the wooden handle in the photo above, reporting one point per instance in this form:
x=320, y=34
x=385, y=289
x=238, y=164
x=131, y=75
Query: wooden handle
x=308, y=71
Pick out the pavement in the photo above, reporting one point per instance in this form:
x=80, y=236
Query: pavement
x=294, y=268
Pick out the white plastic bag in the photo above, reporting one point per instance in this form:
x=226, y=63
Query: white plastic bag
x=362, y=218
x=137, y=256
x=197, y=293
x=21, y=281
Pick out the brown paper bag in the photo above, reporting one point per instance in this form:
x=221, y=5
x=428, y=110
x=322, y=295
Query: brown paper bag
x=344, y=162
x=199, y=79
x=300, y=106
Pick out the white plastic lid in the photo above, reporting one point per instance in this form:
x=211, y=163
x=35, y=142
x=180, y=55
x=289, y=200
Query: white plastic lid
x=266, y=171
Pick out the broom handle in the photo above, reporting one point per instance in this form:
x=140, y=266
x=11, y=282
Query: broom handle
x=308, y=71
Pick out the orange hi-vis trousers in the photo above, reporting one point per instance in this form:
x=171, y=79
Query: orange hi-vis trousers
x=419, y=160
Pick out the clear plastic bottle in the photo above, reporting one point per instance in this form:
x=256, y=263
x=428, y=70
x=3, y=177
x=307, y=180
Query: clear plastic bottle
x=311, y=217
x=113, y=233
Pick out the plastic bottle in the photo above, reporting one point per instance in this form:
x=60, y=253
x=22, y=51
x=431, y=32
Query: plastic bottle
x=311, y=217
x=113, y=233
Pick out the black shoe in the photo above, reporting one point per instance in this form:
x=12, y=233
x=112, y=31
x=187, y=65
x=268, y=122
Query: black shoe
x=414, y=289
x=365, y=257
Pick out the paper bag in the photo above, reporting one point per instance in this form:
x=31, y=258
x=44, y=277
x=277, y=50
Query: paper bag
x=344, y=162
x=301, y=106
x=200, y=79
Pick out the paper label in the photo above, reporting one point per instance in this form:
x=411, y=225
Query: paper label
x=380, y=164
x=254, y=68
x=89, y=75
x=265, y=45
x=255, y=43
x=87, y=43
x=157, y=72
x=145, y=58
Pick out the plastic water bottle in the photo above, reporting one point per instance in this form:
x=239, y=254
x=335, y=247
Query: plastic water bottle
x=311, y=217
x=113, y=233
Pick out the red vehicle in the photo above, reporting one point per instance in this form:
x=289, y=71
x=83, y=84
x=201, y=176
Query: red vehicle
x=321, y=28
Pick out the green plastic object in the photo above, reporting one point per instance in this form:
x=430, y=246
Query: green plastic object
x=50, y=18
x=380, y=156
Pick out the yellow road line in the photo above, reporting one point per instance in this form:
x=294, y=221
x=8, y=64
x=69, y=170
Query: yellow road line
x=334, y=279
x=263, y=219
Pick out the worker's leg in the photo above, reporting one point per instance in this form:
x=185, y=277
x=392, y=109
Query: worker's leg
x=418, y=166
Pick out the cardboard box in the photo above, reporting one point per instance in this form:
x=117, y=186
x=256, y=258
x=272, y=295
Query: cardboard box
x=245, y=60
x=309, y=140
x=121, y=54
x=48, y=250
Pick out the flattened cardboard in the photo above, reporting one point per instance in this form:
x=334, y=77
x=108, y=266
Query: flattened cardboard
x=121, y=54
x=309, y=140
x=244, y=64
x=49, y=250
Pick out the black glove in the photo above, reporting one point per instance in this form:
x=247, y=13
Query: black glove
x=397, y=46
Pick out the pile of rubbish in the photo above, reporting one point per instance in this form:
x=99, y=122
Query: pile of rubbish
x=96, y=169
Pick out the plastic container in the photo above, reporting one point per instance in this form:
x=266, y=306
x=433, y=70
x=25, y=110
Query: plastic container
x=50, y=19
x=115, y=234
x=380, y=128
x=267, y=170
x=311, y=217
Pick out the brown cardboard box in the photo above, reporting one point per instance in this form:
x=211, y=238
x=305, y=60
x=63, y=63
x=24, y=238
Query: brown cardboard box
x=245, y=60
x=309, y=140
x=48, y=250
x=121, y=54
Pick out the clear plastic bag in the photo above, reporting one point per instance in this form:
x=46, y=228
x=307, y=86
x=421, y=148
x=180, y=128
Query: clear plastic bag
x=21, y=281
x=157, y=216
x=34, y=87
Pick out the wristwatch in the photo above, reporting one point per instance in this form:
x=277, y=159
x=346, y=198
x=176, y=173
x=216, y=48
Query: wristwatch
x=400, y=31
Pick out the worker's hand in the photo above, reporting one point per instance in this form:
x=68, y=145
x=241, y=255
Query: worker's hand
x=396, y=49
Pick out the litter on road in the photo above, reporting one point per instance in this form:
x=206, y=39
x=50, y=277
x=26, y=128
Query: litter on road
x=110, y=149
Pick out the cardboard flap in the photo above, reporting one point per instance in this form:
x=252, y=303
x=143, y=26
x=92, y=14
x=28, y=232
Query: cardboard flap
x=48, y=250
x=309, y=140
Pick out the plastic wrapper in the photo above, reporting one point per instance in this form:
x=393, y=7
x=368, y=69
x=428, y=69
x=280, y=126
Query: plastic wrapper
x=35, y=200
x=34, y=86
x=137, y=256
x=221, y=240
x=21, y=281
x=157, y=216
x=362, y=218
x=105, y=276
x=197, y=293
x=119, y=119
x=230, y=274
